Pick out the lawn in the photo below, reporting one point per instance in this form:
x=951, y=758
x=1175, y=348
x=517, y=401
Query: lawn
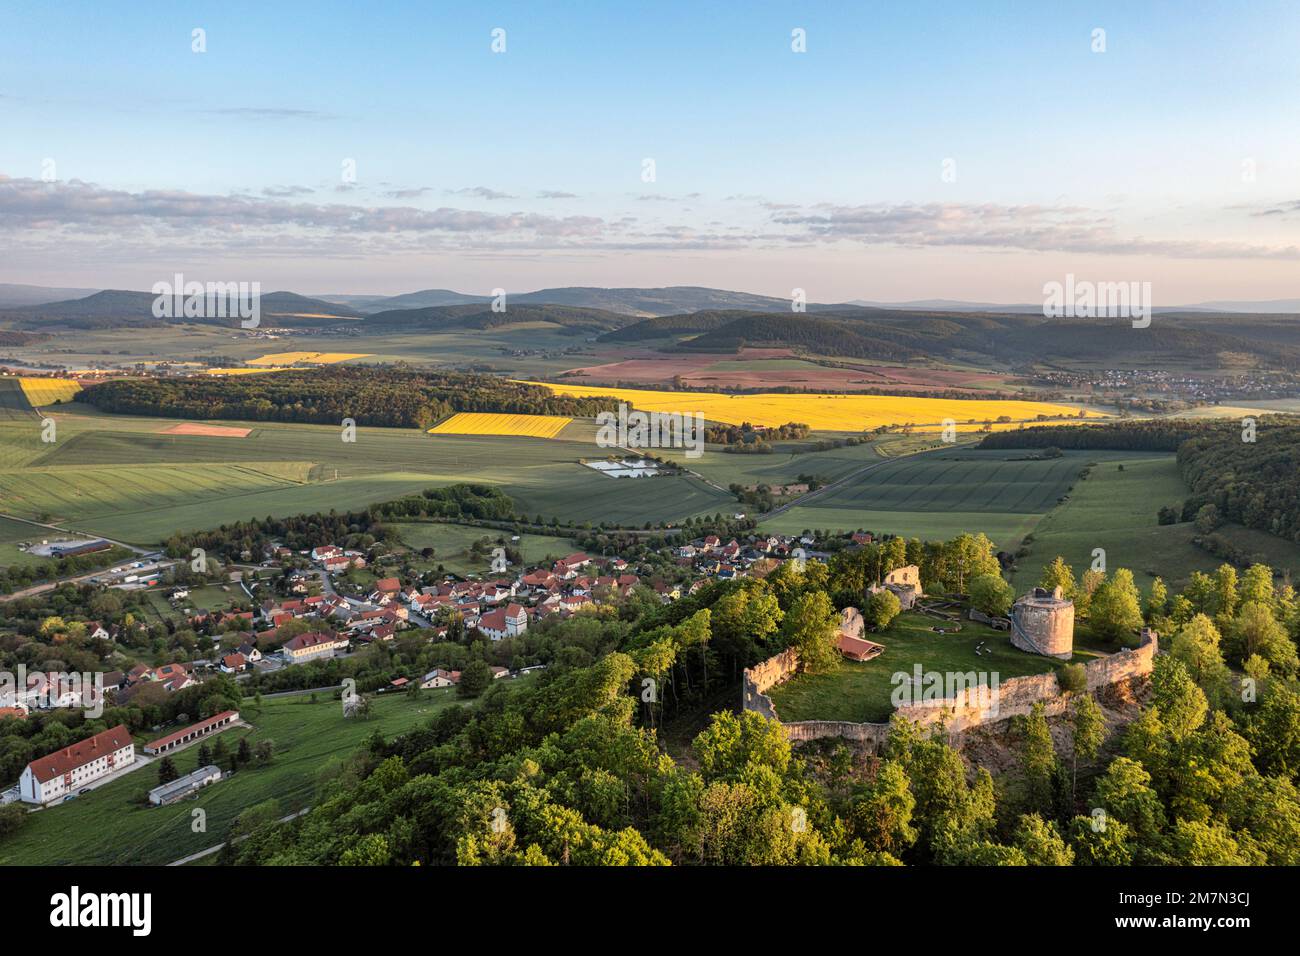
x=113, y=826
x=451, y=544
x=860, y=692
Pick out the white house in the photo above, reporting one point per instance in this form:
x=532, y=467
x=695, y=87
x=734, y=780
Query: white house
x=508, y=621
x=66, y=771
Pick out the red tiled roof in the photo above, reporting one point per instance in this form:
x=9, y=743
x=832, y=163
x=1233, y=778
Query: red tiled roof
x=83, y=752
x=214, y=719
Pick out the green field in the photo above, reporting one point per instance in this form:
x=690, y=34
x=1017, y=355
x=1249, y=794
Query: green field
x=1116, y=511
x=943, y=493
x=451, y=544
x=12, y=532
x=113, y=825
x=860, y=692
x=118, y=476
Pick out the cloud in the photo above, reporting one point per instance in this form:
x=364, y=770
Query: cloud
x=412, y=193
x=480, y=192
x=1036, y=228
x=286, y=192
x=555, y=194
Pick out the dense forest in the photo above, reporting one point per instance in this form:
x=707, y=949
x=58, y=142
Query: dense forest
x=1254, y=483
x=1165, y=434
x=373, y=395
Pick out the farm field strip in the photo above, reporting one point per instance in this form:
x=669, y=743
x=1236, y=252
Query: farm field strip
x=484, y=423
x=321, y=358
x=826, y=411
x=47, y=391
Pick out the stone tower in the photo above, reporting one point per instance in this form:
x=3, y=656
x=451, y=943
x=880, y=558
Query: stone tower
x=1042, y=622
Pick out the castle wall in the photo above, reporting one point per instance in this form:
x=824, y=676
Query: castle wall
x=971, y=708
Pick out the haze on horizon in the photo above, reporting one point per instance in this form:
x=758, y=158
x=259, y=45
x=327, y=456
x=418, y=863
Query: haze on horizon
x=920, y=151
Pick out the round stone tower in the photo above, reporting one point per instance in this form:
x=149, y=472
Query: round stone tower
x=1042, y=622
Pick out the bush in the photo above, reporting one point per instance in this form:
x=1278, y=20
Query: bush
x=1072, y=678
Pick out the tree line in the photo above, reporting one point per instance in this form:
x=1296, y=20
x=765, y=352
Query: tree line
x=389, y=396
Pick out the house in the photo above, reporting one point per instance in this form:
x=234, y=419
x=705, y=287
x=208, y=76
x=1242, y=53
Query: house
x=312, y=646
x=439, y=678
x=250, y=652
x=508, y=621
x=97, y=631
x=68, y=770
x=499, y=672
x=174, y=741
x=233, y=663
x=184, y=786
x=326, y=552
x=386, y=589
x=398, y=683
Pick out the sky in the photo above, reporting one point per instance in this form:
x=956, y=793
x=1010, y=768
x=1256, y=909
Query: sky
x=910, y=150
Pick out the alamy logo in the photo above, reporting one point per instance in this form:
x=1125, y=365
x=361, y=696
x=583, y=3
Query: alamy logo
x=923, y=688
x=74, y=909
x=46, y=690
x=1081, y=299
x=629, y=429
x=212, y=300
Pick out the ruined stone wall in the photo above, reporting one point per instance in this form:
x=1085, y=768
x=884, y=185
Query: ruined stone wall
x=970, y=708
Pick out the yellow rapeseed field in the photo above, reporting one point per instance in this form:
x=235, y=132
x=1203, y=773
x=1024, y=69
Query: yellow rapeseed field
x=242, y=371
x=480, y=423
x=832, y=412
x=47, y=391
x=322, y=358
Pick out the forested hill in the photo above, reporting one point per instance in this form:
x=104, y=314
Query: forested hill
x=1165, y=434
x=1002, y=338
x=1254, y=483
x=480, y=316
x=370, y=396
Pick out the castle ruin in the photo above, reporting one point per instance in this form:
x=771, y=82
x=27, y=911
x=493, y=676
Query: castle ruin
x=1042, y=622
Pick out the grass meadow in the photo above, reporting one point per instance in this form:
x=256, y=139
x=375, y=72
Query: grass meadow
x=114, y=826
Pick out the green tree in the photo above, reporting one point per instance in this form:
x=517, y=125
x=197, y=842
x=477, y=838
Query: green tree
x=1114, y=611
x=812, y=627
x=990, y=594
x=1041, y=842
x=474, y=679
x=881, y=815
x=1088, y=725
x=881, y=609
x=167, y=771
x=1059, y=574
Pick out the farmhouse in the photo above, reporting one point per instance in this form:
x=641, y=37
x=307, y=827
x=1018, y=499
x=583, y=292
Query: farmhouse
x=184, y=786
x=310, y=647
x=65, y=771
x=174, y=741
x=439, y=678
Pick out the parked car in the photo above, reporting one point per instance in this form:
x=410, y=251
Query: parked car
x=85, y=790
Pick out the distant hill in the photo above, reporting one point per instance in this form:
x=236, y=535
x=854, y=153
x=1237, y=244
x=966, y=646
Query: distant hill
x=17, y=296
x=118, y=306
x=641, y=303
x=478, y=316
x=999, y=339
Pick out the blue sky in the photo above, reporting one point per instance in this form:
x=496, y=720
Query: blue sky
x=1172, y=157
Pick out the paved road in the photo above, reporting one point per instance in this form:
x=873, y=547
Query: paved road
x=69, y=531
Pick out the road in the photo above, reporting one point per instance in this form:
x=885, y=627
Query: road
x=216, y=849
x=83, y=534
